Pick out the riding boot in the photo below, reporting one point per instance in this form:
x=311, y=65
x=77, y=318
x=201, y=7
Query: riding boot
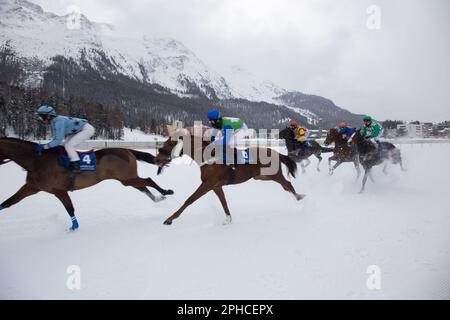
x=75, y=166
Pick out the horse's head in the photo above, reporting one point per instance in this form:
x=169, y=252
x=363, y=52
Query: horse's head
x=171, y=149
x=332, y=135
x=288, y=136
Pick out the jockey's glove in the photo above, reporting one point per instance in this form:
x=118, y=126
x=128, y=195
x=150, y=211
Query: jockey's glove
x=39, y=148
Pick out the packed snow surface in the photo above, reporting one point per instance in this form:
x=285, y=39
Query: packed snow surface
x=276, y=247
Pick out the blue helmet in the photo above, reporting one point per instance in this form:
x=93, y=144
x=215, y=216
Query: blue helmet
x=46, y=110
x=214, y=115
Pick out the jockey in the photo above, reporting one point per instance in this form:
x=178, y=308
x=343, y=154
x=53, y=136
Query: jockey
x=371, y=131
x=346, y=131
x=301, y=133
x=233, y=129
x=68, y=132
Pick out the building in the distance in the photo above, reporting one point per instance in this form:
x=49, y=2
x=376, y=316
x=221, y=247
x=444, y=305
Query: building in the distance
x=411, y=130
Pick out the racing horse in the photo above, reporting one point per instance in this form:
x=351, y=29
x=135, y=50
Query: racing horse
x=342, y=152
x=299, y=156
x=215, y=175
x=44, y=173
x=370, y=156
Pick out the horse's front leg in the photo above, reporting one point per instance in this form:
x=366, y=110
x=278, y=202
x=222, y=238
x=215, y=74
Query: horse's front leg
x=358, y=169
x=201, y=191
x=338, y=163
x=26, y=191
x=366, y=174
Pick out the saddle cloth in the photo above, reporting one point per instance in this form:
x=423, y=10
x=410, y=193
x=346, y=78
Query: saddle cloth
x=88, y=160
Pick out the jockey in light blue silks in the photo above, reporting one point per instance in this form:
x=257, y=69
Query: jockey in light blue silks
x=67, y=131
x=233, y=130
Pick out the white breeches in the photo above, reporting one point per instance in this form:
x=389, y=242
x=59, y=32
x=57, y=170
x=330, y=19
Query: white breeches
x=73, y=141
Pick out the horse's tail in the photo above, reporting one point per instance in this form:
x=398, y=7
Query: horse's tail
x=143, y=156
x=326, y=150
x=290, y=164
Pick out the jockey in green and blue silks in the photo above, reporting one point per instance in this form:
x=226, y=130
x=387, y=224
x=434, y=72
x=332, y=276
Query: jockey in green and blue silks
x=371, y=130
x=68, y=132
x=233, y=129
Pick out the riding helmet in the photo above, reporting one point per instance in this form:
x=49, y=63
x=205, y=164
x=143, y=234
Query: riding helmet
x=214, y=115
x=46, y=110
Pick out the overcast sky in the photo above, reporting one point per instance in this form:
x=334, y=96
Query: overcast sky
x=323, y=47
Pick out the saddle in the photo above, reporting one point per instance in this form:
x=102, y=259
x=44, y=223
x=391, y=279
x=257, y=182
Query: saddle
x=88, y=160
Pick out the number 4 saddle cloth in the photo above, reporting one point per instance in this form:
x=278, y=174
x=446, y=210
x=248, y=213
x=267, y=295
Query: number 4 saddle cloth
x=88, y=161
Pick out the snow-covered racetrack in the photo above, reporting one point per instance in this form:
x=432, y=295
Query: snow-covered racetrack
x=276, y=247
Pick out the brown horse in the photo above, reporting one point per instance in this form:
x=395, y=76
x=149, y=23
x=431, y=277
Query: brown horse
x=214, y=175
x=370, y=156
x=44, y=173
x=342, y=151
x=302, y=155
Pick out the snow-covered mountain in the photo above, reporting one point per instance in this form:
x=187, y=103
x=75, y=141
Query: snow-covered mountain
x=35, y=34
x=245, y=85
x=37, y=37
x=40, y=35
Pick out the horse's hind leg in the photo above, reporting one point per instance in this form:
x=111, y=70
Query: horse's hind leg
x=308, y=162
x=371, y=176
x=151, y=183
x=285, y=184
x=23, y=192
x=400, y=161
x=141, y=185
x=385, y=168
x=63, y=196
x=147, y=192
x=302, y=165
x=221, y=195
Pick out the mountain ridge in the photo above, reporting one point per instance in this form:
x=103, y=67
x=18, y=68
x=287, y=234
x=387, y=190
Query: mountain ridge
x=38, y=38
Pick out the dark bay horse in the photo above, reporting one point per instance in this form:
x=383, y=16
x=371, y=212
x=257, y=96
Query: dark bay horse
x=44, y=173
x=370, y=156
x=300, y=155
x=342, y=151
x=214, y=175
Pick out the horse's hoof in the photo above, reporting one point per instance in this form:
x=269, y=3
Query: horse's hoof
x=228, y=220
x=159, y=199
x=300, y=196
x=168, y=192
x=168, y=222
